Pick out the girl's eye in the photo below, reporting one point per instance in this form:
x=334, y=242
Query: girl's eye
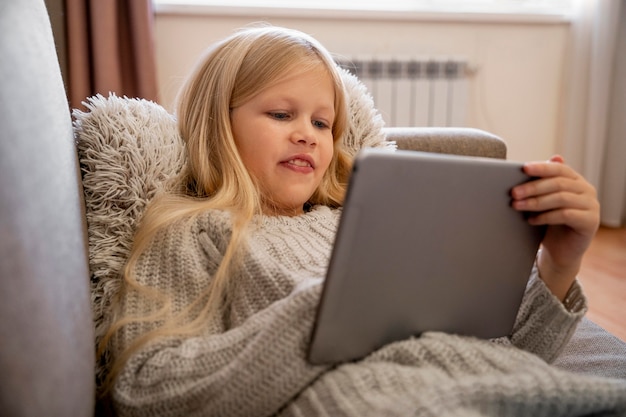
x=279, y=115
x=319, y=124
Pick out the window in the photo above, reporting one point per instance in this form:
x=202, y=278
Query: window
x=531, y=9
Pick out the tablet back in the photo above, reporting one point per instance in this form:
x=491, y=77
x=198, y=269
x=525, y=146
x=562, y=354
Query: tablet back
x=426, y=242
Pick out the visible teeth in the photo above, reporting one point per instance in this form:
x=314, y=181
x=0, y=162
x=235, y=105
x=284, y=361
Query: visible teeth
x=299, y=162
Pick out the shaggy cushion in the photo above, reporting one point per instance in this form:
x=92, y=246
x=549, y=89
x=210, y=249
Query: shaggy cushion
x=128, y=149
x=365, y=123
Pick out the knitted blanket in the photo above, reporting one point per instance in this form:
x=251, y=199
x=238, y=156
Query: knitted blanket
x=252, y=361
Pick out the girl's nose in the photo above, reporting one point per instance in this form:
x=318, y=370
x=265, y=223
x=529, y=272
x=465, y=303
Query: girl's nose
x=304, y=133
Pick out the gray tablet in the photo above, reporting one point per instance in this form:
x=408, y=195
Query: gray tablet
x=426, y=242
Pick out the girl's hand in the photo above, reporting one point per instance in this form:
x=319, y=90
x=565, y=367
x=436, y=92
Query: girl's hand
x=564, y=201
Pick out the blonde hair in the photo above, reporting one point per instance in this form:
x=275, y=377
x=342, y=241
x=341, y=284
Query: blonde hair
x=232, y=72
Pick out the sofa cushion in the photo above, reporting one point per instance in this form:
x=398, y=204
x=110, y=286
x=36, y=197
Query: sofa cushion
x=128, y=149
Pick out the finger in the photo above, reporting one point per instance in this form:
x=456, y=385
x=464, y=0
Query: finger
x=557, y=158
x=551, y=185
x=551, y=168
x=555, y=200
x=582, y=221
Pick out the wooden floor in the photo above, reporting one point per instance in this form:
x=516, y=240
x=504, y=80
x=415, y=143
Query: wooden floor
x=603, y=276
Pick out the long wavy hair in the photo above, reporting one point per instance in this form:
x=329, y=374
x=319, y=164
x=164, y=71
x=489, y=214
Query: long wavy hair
x=230, y=73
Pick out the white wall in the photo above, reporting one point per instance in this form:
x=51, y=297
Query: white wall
x=515, y=92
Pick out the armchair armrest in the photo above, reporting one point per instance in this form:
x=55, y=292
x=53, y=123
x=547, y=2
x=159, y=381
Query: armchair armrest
x=451, y=140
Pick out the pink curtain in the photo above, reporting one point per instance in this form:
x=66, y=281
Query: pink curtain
x=110, y=49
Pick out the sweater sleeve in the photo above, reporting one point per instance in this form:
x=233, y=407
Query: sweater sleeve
x=250, y=369
x=544, y=324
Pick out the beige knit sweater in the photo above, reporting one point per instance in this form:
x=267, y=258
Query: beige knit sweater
x=252, y=363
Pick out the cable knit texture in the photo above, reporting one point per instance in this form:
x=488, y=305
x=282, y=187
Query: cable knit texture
x=251, y=362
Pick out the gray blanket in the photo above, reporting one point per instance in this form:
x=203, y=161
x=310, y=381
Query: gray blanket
x=252, y=361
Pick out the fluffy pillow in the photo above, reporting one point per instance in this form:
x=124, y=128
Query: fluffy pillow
x=128, y=149
x=365, y=123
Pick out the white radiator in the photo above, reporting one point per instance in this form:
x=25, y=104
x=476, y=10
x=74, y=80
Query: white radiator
x=430, y=92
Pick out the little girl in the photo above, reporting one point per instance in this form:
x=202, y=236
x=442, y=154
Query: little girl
x=222, y=283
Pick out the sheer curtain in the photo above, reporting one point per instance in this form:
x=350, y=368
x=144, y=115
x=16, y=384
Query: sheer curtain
x=594, y=135
x=110, y=48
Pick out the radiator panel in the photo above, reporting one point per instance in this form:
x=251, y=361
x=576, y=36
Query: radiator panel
x=430, y=92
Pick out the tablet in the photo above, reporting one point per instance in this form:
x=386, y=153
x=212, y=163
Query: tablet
x=426, y=242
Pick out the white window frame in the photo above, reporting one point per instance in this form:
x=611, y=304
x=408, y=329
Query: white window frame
x=521, y=11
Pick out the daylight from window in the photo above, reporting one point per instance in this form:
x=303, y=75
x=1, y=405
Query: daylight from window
x=456, y=6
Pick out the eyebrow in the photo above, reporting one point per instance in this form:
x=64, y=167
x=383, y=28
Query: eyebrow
x=290, y=100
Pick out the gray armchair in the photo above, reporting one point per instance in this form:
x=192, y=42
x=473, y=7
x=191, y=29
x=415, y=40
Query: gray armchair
x=458, y=141
x=46, y=335
x=46, y=323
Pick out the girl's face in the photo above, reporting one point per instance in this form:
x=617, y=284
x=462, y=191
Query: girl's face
x=284, y=137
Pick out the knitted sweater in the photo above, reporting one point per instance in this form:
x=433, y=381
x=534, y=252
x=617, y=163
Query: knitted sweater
x=252, y=361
